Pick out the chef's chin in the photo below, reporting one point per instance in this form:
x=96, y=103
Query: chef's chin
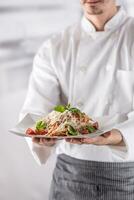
x=94, y=11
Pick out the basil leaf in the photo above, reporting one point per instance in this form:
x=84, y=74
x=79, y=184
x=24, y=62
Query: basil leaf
x=72, y=130
x=60, y=108
x=91, y=129
x=40, y=125
x=68, y=106
x=75, y=110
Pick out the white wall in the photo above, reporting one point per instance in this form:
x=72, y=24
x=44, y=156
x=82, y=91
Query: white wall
x=25, y=24
x=130, y=7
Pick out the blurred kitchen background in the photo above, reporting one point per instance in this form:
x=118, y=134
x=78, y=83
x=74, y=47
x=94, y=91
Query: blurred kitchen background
x=24, y=25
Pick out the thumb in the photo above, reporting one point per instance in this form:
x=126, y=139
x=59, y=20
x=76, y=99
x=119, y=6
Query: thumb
x=41, y=141
x=107, y=134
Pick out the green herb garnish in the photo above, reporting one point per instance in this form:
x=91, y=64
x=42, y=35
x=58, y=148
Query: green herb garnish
x=68, y=106
x=74, y=110
x=91, y=129
x=60, y=108
x=40, y=125
x=72, y=130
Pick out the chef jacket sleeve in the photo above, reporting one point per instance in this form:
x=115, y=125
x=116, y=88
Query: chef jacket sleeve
x=127, y=130
x=42, y=95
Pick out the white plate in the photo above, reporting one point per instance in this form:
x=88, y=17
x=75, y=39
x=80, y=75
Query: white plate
x=106, y=123
x=91, y=135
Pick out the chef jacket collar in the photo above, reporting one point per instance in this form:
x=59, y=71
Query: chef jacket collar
x=112, y=24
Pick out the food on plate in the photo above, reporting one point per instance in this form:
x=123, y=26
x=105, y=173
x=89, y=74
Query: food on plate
x=64, y=121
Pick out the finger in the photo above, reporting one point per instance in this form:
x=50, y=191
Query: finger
x=106, y=134
x=100, y=140
x=74, y=141
x=77, y=141
x=35, y=140
x=41, y=141
x=115, y=138
x=44, y=141
x=68, y=139
x=97, y=140
x=48, y=141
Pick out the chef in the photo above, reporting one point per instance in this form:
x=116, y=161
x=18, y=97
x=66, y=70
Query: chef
x=91, y=66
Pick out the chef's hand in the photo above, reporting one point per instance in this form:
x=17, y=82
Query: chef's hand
x=112, y=137
x=44, y=141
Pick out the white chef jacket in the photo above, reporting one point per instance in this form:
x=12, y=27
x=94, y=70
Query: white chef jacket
x=93, y=71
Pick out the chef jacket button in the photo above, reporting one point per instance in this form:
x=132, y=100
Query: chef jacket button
x=83, y=68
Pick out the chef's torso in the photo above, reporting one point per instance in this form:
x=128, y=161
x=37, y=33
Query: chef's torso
x=96, y=73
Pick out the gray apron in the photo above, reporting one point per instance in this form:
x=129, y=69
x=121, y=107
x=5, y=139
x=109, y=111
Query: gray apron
x=75, y=179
